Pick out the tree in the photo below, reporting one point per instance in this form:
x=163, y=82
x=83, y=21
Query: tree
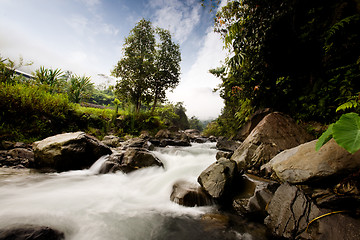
x=136, y=68
x=79, y=88
x=167, y=67
x=147, y=69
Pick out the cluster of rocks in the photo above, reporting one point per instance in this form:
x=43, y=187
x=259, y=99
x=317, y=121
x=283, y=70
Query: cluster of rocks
x=298, y=193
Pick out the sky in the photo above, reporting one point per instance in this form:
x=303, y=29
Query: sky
x=87, y=37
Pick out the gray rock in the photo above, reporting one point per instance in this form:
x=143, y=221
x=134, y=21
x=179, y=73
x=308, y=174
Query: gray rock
x=291, y=211
x=254, y=194
x=31, y=232
x=137, y=143
x=275, y=132
x=217, y=179
x=225, y=144
x=68, y=151
x=223, y=154
x=189, y=194
x=129, y=160
x=112, y=141
x=303, y=164
x=16, y=157
x=252, y=123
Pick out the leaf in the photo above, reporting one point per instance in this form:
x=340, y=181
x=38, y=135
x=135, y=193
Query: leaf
x=324, y=138
x=348, y=105
x=346, y=132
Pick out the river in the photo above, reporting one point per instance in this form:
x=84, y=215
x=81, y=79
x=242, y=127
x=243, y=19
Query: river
x=86, y=205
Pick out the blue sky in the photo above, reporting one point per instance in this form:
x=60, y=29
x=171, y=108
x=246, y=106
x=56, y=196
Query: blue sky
x=87, y=36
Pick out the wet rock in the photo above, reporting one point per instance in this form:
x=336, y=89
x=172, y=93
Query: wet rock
x=137, y=143
x=30, y=232
x=112, y=141
x=166, y=138
x=16, y=157
x=303, y=164
x=130, y=160
x=68, y=151
x=223, y=154
x=291, y=211
x=200, y=140
x=254, y=194
x=217, y=179
x=225, y=144
x=189, y=194
x=171, y=142
x=275, y=132
x=192, y=133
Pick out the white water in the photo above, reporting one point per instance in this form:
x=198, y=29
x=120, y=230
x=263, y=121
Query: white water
x=85, y=205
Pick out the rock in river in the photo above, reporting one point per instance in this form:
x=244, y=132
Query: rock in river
x=68, y=151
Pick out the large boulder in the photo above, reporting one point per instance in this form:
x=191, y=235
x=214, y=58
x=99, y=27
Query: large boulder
x=252, y=123
x=303, y=164
x=189, y=194
x=275, y=133
x=30, y=232
x=68, y=151
x=217, y=180
x=129, y=160
x=167, y=138
x=291, y=211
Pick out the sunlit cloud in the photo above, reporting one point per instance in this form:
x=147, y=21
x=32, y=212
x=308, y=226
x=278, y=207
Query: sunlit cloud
x=180, y=17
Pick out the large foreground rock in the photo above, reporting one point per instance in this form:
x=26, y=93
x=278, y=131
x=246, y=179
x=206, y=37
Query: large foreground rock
x=290, y=212
x=275, y=133
x=130, y=160
x=68, y=151
x=218, y=178
x=303, y=164
x=31, y=232
x=189, y=194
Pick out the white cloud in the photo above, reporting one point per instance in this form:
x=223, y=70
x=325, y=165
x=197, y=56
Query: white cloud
x=196, y=87
x=178, y=16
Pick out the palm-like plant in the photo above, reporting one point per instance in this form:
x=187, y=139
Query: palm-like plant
x=79, y=88
x=54, y=80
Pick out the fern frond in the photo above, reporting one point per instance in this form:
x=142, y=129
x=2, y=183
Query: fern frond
x=348, y=105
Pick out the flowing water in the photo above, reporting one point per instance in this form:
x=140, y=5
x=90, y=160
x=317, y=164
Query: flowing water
x=86, y=205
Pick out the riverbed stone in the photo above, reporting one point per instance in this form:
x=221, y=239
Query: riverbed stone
x=254, y=194
x=189, y=194
x=218, y=178
x=68, y=151
x=228, y=145
x=129, y=160
x=303, y=164
x=16, y=157
x=276, y=132
x=112, y=141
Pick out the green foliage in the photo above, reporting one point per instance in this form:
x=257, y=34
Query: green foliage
x=53, y=80
x=299, y=57
x=195, y=123
x=166, y=65
x=147, y=69
x=135, y=69
x=346, y=132
x=80, y=88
